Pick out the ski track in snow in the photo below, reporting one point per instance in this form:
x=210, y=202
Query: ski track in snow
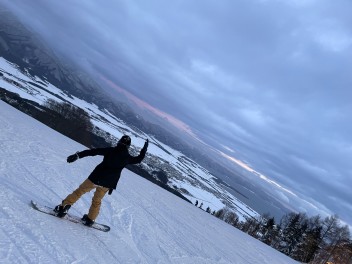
x=148, y=224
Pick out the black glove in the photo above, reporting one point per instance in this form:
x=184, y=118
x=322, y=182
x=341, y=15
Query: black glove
x=145, y=147
x=72, y=158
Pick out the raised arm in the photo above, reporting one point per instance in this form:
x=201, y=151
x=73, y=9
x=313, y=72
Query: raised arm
x=140, y=157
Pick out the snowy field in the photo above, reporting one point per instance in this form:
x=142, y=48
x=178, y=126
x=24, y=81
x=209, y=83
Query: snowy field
x=148, y=224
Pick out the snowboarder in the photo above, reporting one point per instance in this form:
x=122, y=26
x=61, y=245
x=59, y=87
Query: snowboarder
x=104, y=177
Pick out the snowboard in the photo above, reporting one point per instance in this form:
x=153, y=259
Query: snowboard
x=72, y=218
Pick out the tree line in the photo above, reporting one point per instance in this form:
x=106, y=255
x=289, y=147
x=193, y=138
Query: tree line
x=313, y=240
x=69, y=120
x=63, y=117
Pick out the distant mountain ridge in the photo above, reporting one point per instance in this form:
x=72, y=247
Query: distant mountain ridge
x=22, y=47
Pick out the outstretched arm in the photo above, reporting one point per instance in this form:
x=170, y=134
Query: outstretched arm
x=85, y=153
x=140, y=157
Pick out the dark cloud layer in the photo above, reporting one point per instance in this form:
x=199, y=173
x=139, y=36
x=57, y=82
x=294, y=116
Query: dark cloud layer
x=267, y=78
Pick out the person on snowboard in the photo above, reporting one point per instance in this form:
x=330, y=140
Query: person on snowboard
x=103, y=178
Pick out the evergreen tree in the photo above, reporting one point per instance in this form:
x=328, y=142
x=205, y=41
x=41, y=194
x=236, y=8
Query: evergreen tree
x=267, y=231
x=309, y=244
x=293, y=226
x=220, y=214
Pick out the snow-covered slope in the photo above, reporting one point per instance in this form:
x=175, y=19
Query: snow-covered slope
x=195, y=182
x=149, y=225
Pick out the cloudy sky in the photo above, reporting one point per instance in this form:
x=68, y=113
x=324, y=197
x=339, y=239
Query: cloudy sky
x=267, y=80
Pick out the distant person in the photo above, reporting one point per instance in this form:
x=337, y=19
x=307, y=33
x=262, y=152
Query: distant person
x=104, y=177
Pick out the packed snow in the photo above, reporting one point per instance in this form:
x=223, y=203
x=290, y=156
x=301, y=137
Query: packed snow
x=148, y=224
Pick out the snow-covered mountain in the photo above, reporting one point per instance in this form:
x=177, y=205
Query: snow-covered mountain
x=185, y=175
x=148, y=224
x=20, y=45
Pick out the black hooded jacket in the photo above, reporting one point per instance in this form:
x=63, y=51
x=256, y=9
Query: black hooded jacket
x=108, y=172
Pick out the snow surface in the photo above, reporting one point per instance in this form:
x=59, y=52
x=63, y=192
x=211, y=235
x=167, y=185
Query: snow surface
x=148, y=224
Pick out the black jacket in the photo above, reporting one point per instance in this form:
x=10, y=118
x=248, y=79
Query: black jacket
x=108, y=172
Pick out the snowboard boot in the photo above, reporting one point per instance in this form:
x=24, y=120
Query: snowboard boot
x=87, y=221
x=61, y=210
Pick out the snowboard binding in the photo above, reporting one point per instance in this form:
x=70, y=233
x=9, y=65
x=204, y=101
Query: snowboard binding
x=61, y=210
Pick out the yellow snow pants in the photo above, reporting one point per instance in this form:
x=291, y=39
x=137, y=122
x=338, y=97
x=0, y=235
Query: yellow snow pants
x=85, y=187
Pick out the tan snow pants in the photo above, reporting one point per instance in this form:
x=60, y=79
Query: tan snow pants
x=85, y=187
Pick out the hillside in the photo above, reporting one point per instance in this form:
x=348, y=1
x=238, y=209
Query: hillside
x=149, y=225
